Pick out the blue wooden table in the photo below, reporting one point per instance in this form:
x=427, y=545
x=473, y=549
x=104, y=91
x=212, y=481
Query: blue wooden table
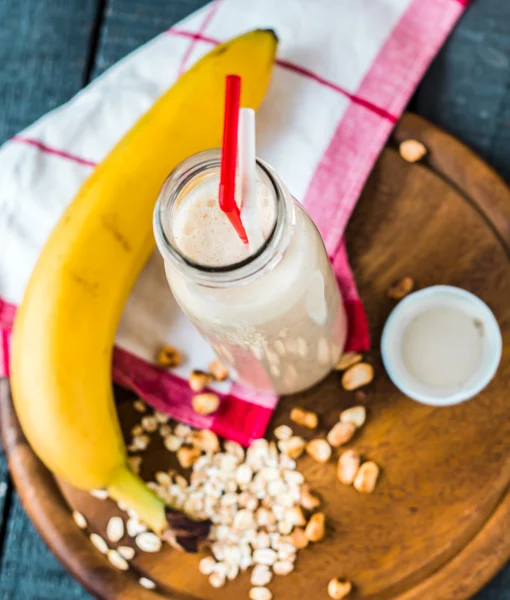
x=49, y=49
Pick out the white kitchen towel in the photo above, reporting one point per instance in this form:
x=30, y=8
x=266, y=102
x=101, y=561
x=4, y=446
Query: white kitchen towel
x=345, y=71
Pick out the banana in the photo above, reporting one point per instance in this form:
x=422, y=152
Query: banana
x=65, y=327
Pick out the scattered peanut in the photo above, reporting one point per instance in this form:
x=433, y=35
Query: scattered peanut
x=366, y=478
x=347, y=466
x=218, y=370
x=117, y=560
x=303, y=417
x=188, y=456
x=292, y=447
x=401, y=288
x=316, y=528
x=206, y=440
x=357, y=376
x=308, y=501
x=199, y=380
x=205, y=404
x=339, y=588
x=299, y=539
x=340, y=434
x=348, y=360
x=169, y=357
x=319, y=450
x=355, y=415
x=296, y=517
x=412, y=150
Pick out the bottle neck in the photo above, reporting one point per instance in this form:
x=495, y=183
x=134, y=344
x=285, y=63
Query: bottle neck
x=182, y=181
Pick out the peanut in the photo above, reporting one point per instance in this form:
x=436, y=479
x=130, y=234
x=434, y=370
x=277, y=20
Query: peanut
x=348, y=360
x=168, y=357
x=303, y=417
x=308, y=501
x=319, y=450
x=341, y=433
x=412, y=150
x=357, y=376
x=355, y=415
x=199, y=380
x=218, y=370
x=366, y=478
x=205, y=404
x=401, y=288
x=298, y=538
x=188, y=456
x=316, y=528
x=339, y=588
x=348, y=466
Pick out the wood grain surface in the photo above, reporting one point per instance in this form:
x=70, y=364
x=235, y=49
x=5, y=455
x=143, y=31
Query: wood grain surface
x=437, y=525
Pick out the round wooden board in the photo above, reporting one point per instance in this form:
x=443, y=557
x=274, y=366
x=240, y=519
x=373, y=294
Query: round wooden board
x=437, y=525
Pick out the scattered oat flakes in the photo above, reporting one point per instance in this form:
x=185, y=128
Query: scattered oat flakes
x=412, y=150
x=136, y=430
x=217, y=579
x=348, y=466
x=400, y=289
x=283, y=432
x=316, y=528
x=205, y=404
x=79, y=519
x=126, y=552
x=303, y=417
x=148, y=542
x=139, y=406
x=161, y=417
x=165, y=430
x=366, y=478
x=218, y=370
x=134, y=527
x=348, y=360
x=261, y=575
x=283, y=567
x=168, y=357
x=355, y=415
x=357, y=376
x=172, y=443
x=99, y=494
x=149, y=423
x=260, y=593
x=147, y=583
x=340, y=434
x=319, y=450
x=99, y=543
x=118, y=561
x=206, y=565
x=115, y=529
x=339, y=588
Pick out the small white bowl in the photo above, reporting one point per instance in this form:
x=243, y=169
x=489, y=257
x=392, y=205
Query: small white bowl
x=411, y=307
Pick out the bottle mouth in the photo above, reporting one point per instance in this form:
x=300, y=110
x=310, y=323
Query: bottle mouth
x=176, y=185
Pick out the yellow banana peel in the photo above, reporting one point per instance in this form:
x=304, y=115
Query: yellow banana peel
x=64, y=330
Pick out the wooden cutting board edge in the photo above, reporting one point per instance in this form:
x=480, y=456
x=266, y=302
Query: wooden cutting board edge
x=460, y=578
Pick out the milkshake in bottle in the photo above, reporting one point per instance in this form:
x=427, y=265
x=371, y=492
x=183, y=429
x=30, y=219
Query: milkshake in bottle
x=272, y=313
